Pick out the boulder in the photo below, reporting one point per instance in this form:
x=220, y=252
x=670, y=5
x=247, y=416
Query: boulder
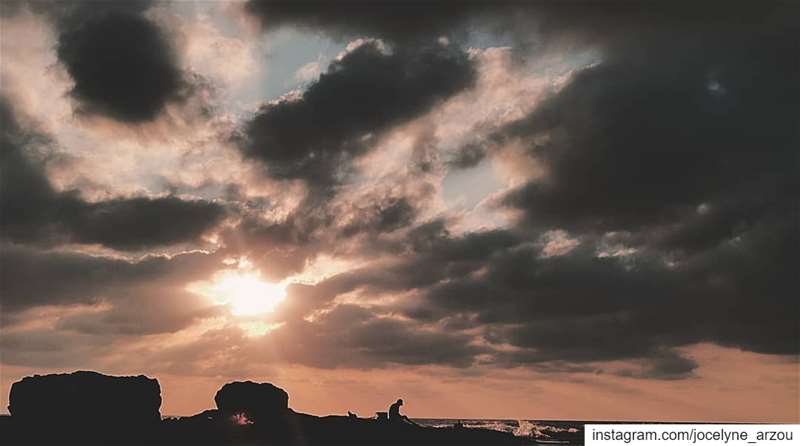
x=256, y=400
x=85, y=398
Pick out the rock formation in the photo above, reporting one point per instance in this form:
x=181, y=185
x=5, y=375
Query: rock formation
x=256, y=400
x=85, y=398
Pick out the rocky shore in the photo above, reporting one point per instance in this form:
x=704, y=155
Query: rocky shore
x=91, y=408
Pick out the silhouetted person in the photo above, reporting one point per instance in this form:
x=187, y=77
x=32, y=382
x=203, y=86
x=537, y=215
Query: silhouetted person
x=394, y=413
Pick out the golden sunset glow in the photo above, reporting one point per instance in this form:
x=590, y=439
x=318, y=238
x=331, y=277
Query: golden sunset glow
x=245, y=292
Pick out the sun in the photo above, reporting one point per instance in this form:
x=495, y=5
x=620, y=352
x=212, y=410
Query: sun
x=245, y=292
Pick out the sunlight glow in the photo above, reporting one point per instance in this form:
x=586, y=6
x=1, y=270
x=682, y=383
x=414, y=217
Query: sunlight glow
x=245, y=292
x=248, y=295
x=255, y=329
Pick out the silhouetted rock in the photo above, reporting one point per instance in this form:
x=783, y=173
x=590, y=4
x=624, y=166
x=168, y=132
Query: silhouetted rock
x=85, y=399
x=259, y=401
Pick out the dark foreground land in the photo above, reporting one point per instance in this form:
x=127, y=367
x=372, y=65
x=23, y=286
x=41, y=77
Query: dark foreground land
x=90, y=408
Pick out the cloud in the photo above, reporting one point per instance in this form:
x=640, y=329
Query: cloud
x=315, y=136
x=426, y=255
x=577, y=307
x=122, y=65
x=386, y=216
x=203, y=44
x=355, y=336
x=395, y=20
x=34, y=212
x=684, y=150
x=627, y=144
x=121, y=58
x=143, y=311
x=28, y=276
x=101, y=307
x=685, y=162
x=345, y=226
x=530, y=24
x=135, y=223
x=669, y=365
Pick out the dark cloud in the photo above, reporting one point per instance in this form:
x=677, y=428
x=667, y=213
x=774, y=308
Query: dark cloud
x=634, y=145
x=665, y=365
x=672, y=160
x=693, y=144
x=94, y=306
x=345, y=227
x=427, y=256
x=28, y=276
x=683, y=146
x=122, y=64
x=344, y=336
x=351, y=335
x=136, y=223
x=579, y=308
x=347, y=336
x=26, y=196
x=393, y=19
x=583, y=307
x=337, y=118
x=668, y=365
x=530, y=23
x=384, y=216
x=566, y=313
x=32, y=211
x=91, y=308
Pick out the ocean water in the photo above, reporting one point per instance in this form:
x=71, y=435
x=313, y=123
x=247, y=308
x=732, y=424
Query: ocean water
x=543, y=431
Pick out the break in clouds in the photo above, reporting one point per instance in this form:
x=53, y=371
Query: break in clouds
x=645, y=199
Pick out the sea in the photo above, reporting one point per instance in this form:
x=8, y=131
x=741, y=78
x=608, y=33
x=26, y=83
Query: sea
x=542, y=431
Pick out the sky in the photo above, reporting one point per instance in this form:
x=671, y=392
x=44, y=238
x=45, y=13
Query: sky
x=541, y=210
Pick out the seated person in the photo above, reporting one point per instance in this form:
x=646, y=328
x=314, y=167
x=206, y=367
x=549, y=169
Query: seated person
x=394, y=413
